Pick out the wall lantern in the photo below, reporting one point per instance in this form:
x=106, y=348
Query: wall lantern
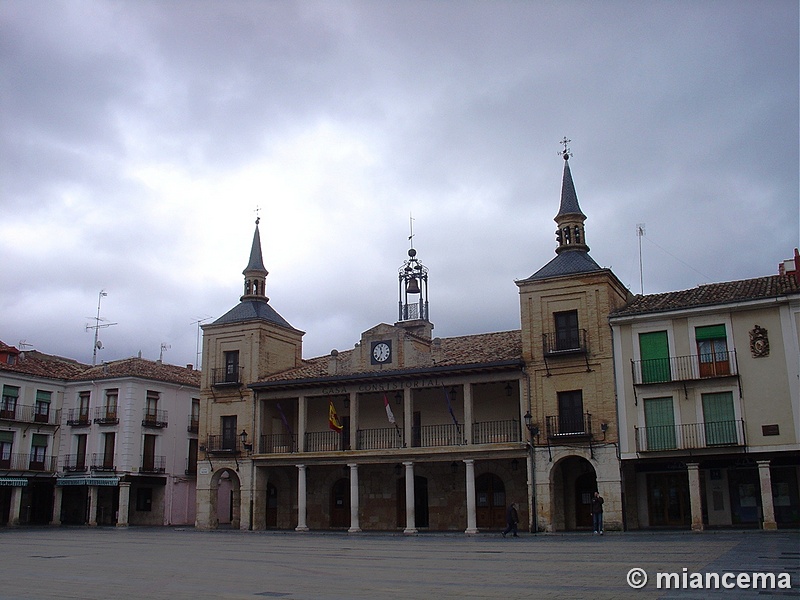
x=454, y=467
x=243, y=438
x=534, y=429
x=509, y=389
x=398, y=398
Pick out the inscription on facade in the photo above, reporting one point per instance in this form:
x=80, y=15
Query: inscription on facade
x=384, y=386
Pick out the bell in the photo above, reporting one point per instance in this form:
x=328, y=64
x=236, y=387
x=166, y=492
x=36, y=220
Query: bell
x=413, y=286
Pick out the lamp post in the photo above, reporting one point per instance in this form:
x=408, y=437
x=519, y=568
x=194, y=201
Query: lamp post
x=533, y=431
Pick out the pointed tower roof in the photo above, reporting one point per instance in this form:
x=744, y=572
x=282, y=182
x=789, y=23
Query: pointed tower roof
x=256, y=263
x=572, y=252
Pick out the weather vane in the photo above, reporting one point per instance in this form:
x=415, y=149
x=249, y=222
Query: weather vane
x=411, y=229
x=258, y=214
x=566, y=153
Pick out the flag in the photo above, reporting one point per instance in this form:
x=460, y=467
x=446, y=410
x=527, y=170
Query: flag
x=450, y=406
x=333, y=419
x=285, y=422
x=389, y=413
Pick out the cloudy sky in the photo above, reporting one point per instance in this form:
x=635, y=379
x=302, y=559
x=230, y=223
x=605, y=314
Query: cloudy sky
x=137, y=139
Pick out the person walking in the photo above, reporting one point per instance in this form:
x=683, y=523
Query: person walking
x=597, y=513
x=512, y=518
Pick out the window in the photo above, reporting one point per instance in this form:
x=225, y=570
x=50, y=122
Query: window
x=712, y=351
x=659, y=421
x=109, y=440
x=194, y=418
x=42, y=406
x=6, y=443
x=112, y=398
x=149, y=454
x=80, y=452
x=151, y=407
x=232, y=366
x=38, y=451
x=83, y=407
x=654, y=351
x=570, y=412
x=719, y=419
x=191, y=463
x=567, y=334
x=8, y=405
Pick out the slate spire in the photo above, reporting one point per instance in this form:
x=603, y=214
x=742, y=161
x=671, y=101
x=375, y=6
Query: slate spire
x=255, y=274
x=570, y=234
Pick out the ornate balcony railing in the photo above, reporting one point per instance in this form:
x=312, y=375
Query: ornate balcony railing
x=496, y=432
x=277, y=443
x=78, y=417
x=155, y=418
x=324, y=441
x=438, y=435
x=690, y=436
x=75, y=463
x=28, y=462
x=30, y=414
x=565, y=426
x=103, y=462
x=383, y=438
x=106, y=415
x=153, y=464
x=684, y=368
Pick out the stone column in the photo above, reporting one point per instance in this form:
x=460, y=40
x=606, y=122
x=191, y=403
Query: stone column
x=92, y=505
x=468, y=412
x=411, y=523
x=354, y=526
x=695, y=498
x=57, y=496
x=472, y=521
x=301, y=499
x=16, y=505
x=124, y=503
x=767, y=506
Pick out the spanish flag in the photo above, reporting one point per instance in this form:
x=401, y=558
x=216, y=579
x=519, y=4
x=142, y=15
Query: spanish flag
x=333, y=419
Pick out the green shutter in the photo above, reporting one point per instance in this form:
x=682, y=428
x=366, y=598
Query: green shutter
x=7, y=437
x=659, y=420
x=39, y=440
x=720, y=420
x=711, y=332
x=10, y=390
x=42, y=396
x=654, y=351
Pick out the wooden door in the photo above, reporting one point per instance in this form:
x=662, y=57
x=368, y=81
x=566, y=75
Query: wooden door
x=490, y=501
x=585, y=487
x=340, y=503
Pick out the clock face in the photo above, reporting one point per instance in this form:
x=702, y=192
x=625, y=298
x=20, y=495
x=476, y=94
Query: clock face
x=381, y=352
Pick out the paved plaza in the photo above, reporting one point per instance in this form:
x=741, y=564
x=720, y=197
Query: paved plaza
x=183, y=563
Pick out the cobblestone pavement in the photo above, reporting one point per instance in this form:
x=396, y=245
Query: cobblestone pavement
x=179, y=563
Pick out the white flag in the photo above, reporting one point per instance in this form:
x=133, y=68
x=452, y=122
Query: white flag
x=389, y=413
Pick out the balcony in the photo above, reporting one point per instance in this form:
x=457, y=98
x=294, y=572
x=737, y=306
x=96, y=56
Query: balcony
x=569, y=426
x=225, y=377
x=78, y=417
x=194, y=424
x=569, y=342
x=153, y=464
x=496, y=432
x=325, y=441
x=28, y=462
x=384, y=438
x=155, y=419
x=30, y=414
x=684, y=368
x=220, y=444
x=75, y=463
x=106, y=415
x=277, y=443
x=103, y=462
x=690, y=436
x=438, y=435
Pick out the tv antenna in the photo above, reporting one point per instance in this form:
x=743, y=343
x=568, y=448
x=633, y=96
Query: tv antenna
x=164, y=346
x=199, y=322
x=640, y=234
x=98, y=325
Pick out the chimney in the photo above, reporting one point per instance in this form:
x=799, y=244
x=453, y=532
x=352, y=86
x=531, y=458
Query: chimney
x=190, y=367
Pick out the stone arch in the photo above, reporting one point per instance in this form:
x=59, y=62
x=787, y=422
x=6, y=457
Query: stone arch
x=573, y=479
x=226, y=499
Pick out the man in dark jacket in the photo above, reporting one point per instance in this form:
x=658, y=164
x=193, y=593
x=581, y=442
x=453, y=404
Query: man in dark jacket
x=512, y=518
x=597, y=513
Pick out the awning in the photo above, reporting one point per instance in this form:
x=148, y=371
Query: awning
x=13, y=481
x=110, y=481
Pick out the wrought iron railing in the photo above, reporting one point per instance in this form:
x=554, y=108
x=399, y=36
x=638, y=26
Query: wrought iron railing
x=568, y=425
x=153, y=464
x=496, y=432
x=324, y=441
x=75, y=463
x=277, y=443
x=30, y=414
x=103, y=462
x=383, y=438
x=684, y=368
x=106, y=415
x=155, y=418
x=569, y=342
x=221, y=443
x=690, y=436
x=28, y=462
x=221, y=376
x=439, y=435
x=78, y=417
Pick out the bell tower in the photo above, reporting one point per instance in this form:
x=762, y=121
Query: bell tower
x=255, y=274
x=413, y=314
x=570, y=234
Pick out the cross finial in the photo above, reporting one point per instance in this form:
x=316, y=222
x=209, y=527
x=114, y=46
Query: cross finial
x=258, y=216
x=566, y=151
x=411, y=229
